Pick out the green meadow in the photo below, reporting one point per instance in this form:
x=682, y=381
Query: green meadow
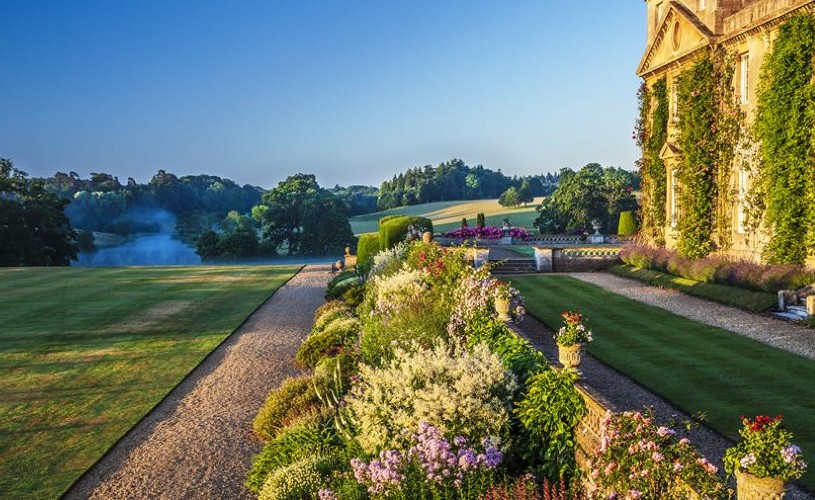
x=698, y=368
x=447, y=215
x=87, y=352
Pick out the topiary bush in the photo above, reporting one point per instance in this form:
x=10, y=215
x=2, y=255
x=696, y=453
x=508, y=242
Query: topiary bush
x=628, y=224
x=367, y=247
x=329, y=306
x=328, y=341
x=392, y=231
x=294, y=398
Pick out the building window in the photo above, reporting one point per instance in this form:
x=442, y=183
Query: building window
x=702, y=4
x=674, y=199
x=744, y=77
x=674, y=102
x=742, y=207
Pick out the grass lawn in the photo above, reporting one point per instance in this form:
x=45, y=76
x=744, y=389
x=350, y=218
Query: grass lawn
x=696, y=367
x=446, y=215
x=86, y=352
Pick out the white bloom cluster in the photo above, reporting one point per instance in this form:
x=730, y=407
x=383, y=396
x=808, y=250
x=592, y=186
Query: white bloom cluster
x=468, y=394
x=298, y=480
x=397, y=290
x=387, y=259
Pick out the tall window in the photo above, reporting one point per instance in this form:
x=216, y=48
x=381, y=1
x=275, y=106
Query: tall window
x=674, y=198
x=744, y=77
x=740, y=214
x=674, y=102
x=702, y=4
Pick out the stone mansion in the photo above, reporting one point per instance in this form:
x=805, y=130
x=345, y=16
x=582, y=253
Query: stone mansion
x=679, y=32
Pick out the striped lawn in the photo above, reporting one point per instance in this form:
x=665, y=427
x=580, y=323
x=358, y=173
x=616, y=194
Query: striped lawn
x=696, y=367
x=86, y=352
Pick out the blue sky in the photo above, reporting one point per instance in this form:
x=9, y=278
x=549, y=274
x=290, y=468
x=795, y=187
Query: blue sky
x=351, y=91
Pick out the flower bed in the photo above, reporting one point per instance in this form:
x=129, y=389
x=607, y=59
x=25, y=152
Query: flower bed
x=487, y=233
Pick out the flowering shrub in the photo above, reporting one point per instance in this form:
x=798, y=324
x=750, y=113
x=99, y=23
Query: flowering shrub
x=526, y=488
x=398, y=290
x=721, y=270
x=302, y=479
x=574, y=331
x=459, y=393
x=433, y=467
x=487, y=233
x=766, y=450
x=293, y=399
x=639, y=459
x=388, y=261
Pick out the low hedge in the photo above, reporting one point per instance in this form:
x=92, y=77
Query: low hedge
x=748, y=300
x=392, y=231
x=367, y=247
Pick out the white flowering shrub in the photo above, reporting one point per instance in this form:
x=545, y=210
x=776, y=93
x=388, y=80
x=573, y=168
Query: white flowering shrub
x=395, y=292
x=388, y=261
x=459, y=393
x=301, y=480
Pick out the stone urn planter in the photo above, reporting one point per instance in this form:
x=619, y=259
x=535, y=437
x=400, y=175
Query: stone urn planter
x=502, y=308
x=427, y=237
x=569, y=356
x=750, y=487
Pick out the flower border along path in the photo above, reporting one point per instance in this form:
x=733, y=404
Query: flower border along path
x=197, y=442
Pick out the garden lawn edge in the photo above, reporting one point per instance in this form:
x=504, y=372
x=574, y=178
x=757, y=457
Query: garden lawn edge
x=183, y=379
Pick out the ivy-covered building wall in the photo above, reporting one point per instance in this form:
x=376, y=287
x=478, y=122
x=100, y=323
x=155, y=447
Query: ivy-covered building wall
x=727, y=128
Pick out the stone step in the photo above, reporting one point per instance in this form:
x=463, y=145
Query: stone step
x=514, y=266
x=794, y=313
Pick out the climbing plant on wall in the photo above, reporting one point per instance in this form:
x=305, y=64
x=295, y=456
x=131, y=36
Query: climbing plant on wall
x=785, y=127
x=651, y=134
x=708, y=133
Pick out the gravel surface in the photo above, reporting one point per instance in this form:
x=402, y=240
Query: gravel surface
x=198, y=442
x=771, y=331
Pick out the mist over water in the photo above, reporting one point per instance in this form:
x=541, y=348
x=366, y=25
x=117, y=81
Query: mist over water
x=154, y=249
x=150, y=250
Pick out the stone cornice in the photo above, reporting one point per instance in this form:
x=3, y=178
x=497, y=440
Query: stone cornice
x=674, y=9
x=767, y=23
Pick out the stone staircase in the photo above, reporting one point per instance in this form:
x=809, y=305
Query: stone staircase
x=792, y=305
x=514, y=266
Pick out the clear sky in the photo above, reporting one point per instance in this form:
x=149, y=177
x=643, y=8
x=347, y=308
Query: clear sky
x=352, y=91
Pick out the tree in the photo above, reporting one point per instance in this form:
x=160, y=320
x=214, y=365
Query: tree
x=34, y=230
x=525, y=192
x=509, y=198
x=305, y=217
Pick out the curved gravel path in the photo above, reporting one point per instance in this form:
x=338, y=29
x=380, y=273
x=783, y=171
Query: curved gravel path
x=198, y=442
x=771, y=331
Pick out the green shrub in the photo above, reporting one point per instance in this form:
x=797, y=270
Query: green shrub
x=517, y=353
x=628, y=224
x=312, y=435
x=329, y=306
x=354, y=295
x=367, y=247
x=550, y=412
x=329, y=317
x=328, y=341
x=337, y=289
x=394, y=230
x=294, y=398
x=341, y=366
x=390, y=217
x=300, y=480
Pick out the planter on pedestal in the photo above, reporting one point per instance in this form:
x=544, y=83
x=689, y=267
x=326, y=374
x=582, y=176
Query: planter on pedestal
x=750, y=487
x=569, y=356
x=502, y=308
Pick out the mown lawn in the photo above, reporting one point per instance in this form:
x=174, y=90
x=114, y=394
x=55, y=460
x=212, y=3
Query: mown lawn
x=696, y=367
x=86, y=352
x=446, y=215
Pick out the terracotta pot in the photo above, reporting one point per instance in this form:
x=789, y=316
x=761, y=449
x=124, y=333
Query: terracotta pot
x=750, y=487
x=502, y=308
x=569, y=356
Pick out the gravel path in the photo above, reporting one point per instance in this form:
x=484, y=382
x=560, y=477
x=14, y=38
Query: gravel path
x=198, y=442
x=771, y=331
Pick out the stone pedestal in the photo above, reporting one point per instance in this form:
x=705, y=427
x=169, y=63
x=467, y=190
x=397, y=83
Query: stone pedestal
x=506, y=240
x=782, y=303
x=811, y=305
x=543, y=260
x=596, y=238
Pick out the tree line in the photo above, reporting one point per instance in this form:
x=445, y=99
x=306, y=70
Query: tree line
x=454, y=180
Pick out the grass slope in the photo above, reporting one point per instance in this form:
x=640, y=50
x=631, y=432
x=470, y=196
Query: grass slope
x=696, y=367
x=446, y=215
x=86, y=352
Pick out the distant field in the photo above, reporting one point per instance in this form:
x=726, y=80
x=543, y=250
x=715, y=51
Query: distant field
x=86, y=352
x=446, y=215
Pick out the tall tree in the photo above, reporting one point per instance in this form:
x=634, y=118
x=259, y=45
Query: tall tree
x=34, y=230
